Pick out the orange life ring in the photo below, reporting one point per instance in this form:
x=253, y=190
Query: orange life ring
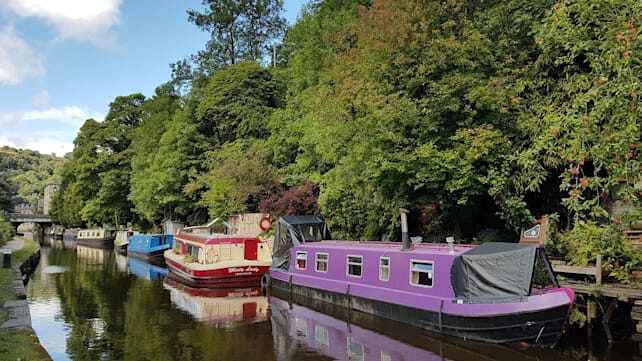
x=265, y=224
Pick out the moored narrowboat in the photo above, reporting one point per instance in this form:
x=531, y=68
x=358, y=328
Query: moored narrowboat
x=122, y=240
x=97, y=238
x=234, y=257
x=150, y=246
x=56, y=232
x=495, y=292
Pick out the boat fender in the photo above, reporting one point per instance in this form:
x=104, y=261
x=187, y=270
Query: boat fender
x=441, y=310
x=265, y=282
x=265, y=223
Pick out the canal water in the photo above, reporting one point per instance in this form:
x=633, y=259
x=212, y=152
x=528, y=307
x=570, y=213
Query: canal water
x=89, y=304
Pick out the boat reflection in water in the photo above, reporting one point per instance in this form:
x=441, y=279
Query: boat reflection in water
x=52, y=242
x=225, y=308
x=93, y=256
x=143, y=269
x=121, y=261
x=332, y=337
x=70, y=239
x=320, y=328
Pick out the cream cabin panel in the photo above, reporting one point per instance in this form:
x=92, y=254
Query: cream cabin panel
x=226, y=252
x=238, y=251
x=265, y=251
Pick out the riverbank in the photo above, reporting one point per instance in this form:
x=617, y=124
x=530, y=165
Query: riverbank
x=17, y=339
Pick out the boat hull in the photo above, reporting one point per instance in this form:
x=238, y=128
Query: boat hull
x=154, y=256
x=107, y=243
x=542, y=327
x=241, y=276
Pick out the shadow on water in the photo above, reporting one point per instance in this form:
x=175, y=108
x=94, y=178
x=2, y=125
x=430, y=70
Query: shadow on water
x=90, y=304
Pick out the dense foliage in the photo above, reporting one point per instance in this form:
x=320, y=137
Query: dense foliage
x=24, y=175
x=6, y=230
x=477, y=116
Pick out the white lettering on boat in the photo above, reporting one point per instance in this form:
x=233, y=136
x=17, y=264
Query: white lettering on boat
x=248, y=269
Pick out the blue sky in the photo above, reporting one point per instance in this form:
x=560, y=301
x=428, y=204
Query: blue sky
x=63, y=61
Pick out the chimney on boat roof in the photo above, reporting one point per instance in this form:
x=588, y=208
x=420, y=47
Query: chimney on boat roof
x=451, y=244
x=404, y=229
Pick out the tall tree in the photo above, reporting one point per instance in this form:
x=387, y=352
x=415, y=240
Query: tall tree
x=236, y=102
x=96, y=180
x=145, y=180
x=240, y=30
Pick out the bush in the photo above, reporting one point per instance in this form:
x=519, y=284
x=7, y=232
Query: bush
x=6, y=230
x=587, y=239
x=298, y=200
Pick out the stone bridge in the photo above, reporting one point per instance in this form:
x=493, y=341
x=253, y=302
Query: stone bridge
x=17, y=219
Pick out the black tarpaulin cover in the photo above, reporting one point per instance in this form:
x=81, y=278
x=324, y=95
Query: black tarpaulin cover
x=292, y=231
x=494, y=272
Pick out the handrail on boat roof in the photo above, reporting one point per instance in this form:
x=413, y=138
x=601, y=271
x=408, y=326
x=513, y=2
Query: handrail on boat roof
x=209, y=225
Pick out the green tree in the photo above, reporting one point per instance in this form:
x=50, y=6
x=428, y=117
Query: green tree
x=239, y=178
x=236, y=102
x=158, y=112
x=583, y=118
x=96, y=180
x=240, y=30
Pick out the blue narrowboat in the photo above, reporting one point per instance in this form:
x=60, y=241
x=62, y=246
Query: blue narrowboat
x=150, y=246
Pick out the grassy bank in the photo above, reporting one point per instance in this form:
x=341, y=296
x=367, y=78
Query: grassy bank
x=18, y=345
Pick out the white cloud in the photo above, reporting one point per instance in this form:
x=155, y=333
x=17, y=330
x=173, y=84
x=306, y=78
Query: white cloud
x=18, y=61
x=41, y=99
x=72, y=115
x=90, y=20
x=47, y=131
x=45, y=143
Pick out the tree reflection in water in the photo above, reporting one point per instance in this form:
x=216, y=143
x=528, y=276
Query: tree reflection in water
x=108, y=313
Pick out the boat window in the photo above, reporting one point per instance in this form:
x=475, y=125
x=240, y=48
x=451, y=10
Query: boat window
x=384, y=268
x=421, y=273
x=226, y=251
x=193, y=251
x=322, y=262
x=354, y=266
x=301, y=260
x=301, y=327
x=355, y=350
x=321, y=336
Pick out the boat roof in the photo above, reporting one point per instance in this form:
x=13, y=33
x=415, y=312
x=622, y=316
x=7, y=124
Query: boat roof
x=424, y=248
x=210, y=239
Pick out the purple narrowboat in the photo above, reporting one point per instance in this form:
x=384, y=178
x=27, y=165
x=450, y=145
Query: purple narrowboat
x=495, y=292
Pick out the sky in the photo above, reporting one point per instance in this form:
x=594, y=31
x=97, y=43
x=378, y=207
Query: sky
x=64, y=61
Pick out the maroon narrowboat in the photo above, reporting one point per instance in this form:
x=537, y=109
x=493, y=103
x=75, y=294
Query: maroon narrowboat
x=202, y=258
